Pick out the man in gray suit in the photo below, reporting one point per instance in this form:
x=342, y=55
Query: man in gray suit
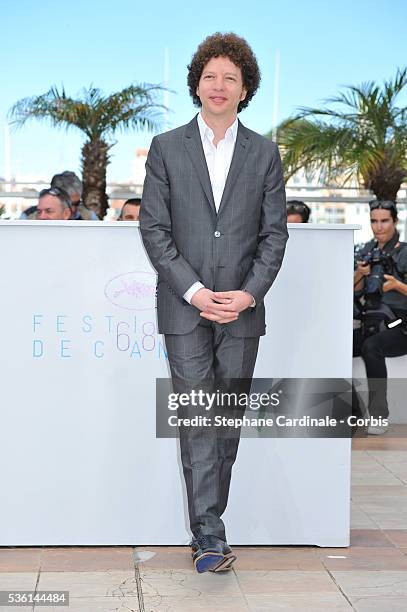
x=213, y=222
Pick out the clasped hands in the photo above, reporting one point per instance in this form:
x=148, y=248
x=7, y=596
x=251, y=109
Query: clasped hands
x=221, y=306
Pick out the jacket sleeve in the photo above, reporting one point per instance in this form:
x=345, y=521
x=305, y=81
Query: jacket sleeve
x=273, y=232
x=155, y=225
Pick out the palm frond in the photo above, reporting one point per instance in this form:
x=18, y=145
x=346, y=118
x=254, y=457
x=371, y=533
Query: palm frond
x=55, y=107
x=361, y=133
x=99, y=117
x=95, y=114
x=135, y=107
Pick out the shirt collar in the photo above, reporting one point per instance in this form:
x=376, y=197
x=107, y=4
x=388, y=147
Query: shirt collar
x=206, y=132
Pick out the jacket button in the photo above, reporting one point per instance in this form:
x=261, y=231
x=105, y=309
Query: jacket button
x=217, y=234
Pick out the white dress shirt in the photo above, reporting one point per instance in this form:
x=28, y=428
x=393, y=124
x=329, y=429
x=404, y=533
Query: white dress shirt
x=218, y=159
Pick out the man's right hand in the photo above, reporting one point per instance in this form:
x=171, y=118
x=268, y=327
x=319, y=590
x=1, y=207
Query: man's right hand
x=218, y=310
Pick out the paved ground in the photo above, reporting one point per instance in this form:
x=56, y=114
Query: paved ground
x=371, y=575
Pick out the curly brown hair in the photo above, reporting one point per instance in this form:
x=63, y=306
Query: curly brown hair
x=234, y=48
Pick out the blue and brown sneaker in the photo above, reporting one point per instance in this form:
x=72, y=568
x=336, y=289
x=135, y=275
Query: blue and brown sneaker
x=206, y=549
x=208, y=553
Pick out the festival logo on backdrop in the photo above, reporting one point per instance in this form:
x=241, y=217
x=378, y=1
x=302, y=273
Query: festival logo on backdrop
x=126, y=324
x=132, y=290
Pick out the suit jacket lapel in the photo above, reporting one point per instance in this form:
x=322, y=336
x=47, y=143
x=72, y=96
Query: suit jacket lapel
x=242, y=147
x=195, y=150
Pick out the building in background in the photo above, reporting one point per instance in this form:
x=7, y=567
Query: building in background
x=332, y=204
x=138, y=167
x=119, y=193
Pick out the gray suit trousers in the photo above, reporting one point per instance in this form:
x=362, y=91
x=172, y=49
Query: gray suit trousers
x=210, y=356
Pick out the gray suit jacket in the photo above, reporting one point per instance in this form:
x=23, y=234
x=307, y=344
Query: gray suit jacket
x=240, y=247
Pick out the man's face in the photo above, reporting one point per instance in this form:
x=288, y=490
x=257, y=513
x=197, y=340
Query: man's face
x=130, y=212
x=221, y=87
x=294, y=218
x=75, y=201
x=50, y=208
x=383, y=225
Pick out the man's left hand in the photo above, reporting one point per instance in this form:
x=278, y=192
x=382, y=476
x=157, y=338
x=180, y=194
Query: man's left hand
x=391, y=284
x=232, y=301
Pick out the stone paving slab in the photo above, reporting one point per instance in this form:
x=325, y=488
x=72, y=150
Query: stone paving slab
x=205, y=602
x=20, y=559
x=98, y=558
x=90, y=584
x=284, y=582
x=352, y=559
x=23, y=581
x=94, y=604
x=370, y=537
x=394, y=439
x=397, y=536
x=299, y=602
x=373, y=584
x=378, y=604
x=188, y=583
x=359, y=519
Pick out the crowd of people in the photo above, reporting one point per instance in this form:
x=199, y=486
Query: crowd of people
x=62, y=201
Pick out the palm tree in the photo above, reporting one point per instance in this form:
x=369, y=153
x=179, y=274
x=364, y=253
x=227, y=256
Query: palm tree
x=364, y=137
x=99, y=117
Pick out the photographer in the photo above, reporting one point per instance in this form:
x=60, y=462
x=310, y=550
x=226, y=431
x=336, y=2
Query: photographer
x=380, y=284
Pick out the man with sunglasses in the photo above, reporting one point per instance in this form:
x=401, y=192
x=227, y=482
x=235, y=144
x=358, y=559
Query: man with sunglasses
x=71, y=185
x=376, y=342
x=53, y=205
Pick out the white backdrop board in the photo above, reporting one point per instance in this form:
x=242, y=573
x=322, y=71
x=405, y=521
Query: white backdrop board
x=79, y=356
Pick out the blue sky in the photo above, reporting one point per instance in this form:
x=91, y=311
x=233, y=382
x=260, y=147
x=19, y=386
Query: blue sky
x=322, y=46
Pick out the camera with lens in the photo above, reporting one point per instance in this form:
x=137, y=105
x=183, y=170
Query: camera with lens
x=372, y=312
x=380, y=264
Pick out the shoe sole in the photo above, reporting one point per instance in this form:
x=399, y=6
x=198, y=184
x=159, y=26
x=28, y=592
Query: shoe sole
x=226, y=564
x=208, y=561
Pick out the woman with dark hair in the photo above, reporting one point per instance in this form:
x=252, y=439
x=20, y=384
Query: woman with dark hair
x=382, y=300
